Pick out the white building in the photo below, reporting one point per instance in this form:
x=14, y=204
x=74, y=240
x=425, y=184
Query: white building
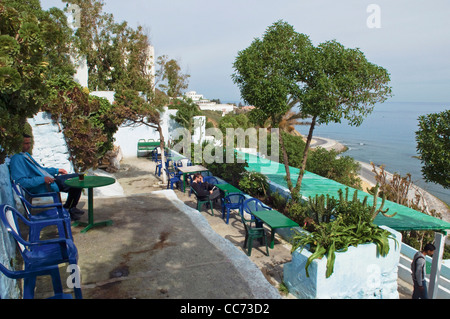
x=205, y=104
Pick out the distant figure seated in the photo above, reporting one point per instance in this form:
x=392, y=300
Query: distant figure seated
x=38, y=179
x=204, y=190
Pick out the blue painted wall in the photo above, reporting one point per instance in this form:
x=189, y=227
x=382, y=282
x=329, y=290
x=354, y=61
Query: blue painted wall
x=8, y=287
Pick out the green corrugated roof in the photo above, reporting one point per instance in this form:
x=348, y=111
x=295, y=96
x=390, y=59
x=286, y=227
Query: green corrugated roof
x=312, y=185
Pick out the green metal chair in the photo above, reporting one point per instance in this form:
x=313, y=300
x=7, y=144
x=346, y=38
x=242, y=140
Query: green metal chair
x=252, y=233
x=201, y=202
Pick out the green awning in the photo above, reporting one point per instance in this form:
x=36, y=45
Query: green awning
x=312, y=185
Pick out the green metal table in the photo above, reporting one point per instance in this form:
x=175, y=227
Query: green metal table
x=185, y=170
x=274, y=219
x=228, y=188
x=91, y=182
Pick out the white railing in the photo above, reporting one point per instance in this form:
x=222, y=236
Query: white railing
x=404, y=271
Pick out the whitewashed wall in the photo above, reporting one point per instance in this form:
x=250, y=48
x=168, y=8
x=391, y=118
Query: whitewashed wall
x=127, y=137
x=49, y=148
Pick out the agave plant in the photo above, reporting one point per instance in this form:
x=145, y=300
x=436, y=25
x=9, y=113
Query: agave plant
x=351, y=226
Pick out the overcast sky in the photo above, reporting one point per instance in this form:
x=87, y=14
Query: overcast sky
x=410, y=38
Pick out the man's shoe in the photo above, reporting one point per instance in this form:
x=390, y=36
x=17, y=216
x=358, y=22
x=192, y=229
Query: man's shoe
x=76, y=211
x=74, y=217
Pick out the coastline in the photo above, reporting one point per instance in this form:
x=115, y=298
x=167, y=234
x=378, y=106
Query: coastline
x=367, y=177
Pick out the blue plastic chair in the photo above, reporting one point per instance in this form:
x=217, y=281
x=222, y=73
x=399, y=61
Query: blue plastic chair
x=39, y=256
x=183, y=162
x=22, y=191
x=232, y=201
x=47, y=211
x=173, y=178
x=158, y=167
x=253, y=204
x=211, y=180
x=154, y=154
x=29, y=276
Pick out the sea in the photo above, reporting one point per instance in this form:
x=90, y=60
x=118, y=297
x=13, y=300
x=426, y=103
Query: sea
x=387, y=137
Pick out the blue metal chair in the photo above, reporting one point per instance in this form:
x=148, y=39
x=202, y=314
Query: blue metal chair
x=232, y=201
x=53, y=210
x=39, y=256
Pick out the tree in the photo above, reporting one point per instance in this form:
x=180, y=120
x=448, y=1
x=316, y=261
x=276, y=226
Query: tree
x=265, y=75
x=34, y=48
x=118, y=59
x=328, y=83
x=433, y=145
x=341, y=84
x=175, y=82
x=187, y=109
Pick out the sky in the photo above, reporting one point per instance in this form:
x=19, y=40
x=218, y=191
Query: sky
x=409, y=38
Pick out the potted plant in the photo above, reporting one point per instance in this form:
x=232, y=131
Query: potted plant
x=343, y=255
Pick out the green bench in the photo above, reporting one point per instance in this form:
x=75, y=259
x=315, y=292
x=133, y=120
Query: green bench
x=146, y=145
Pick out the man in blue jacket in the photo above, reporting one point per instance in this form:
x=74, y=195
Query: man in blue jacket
x=38, y=179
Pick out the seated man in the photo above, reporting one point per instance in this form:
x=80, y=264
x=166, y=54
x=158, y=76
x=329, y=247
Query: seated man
x=204, y=190
x=38, y=179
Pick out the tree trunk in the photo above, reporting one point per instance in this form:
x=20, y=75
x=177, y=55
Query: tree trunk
x=286, y=164
x=305, y=156
x=163, y=156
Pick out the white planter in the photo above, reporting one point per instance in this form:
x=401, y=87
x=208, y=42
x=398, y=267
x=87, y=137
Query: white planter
x=359, y=273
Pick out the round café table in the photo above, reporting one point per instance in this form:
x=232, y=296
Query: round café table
x=91, y=182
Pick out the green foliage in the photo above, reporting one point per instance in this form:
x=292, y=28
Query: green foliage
x=89, y=124
x=321, y=208
x=187, y=109
x=234, y=121
x=254, y=183
x=433, y=145
x=326, y=163
x=174, y=81
x=294, y=146
x=277, y=201
x=265, y=71
x=298, y=211
x=231, y=172
x=446, y=252
x=337, y=236
x=33, y=49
